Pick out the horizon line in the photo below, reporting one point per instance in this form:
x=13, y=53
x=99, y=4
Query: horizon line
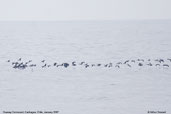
x=86, y=20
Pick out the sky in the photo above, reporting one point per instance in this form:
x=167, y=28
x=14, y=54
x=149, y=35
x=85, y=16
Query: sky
x=54, y=10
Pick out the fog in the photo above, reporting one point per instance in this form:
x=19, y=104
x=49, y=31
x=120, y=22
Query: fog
x=84, y=9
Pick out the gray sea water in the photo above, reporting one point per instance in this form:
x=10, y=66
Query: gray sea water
x=80, y=90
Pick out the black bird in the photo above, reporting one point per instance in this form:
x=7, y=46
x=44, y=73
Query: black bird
x=73, y=63
x=140, y=64
x=126, y=61
x=110, y=65
x=140, y=60
x=82, y=63
x=169, y=60
x=117, y=66
x=54, y=64
x=157, y=65
x=86, y=65
x=119, y=63
x=15, y=63
x=93, y=65
x=29, y=61
x=19, y=59
x=15, y=66
x=98, y=64
x=65, y=65
x=156, y=60
x=44, y=65
x=105, y=65
x=133, y=61
x=43, y=61
x=129, y=65
x=166, y=65
x=59, y=65
x=161, y=60
x=22, y=66
x=149, y=64
x=8, y=61
x=32, y=65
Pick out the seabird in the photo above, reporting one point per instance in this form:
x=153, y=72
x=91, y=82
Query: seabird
x=54, y=64
x=161, y=60
x=59, y=65
x=169, y=60
x=98, y=64
x=65, y=65
x=117, y=66
x=119, y=63
x=32, y=65
x=82, y=63
x=15, y=66
x=93, y=65
x=22, y=66
x=43, y=61
x=105, y=65
x=129, y=65
x=44, y=65
x=166, y=65
x=126, y=61
x=149, y=64
x=157, y=65
x=15, y=63
x=140, y=60
x=133, y=61
x=110, y=65
x=73, y=63
x=140, y=64
x=86, y=65
x=29, y=61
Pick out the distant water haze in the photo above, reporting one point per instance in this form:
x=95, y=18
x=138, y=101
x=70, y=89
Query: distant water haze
x=52, y=10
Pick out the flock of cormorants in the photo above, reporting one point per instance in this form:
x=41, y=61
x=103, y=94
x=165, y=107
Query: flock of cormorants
x=19, y=64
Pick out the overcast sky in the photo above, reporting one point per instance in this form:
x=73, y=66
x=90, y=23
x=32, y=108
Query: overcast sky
x=84, y=9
